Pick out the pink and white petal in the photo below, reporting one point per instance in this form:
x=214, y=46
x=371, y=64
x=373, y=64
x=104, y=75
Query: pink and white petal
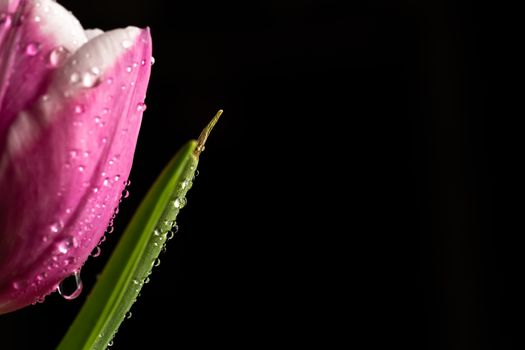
x=79, y=144
x=35, y=38
x=92, y=33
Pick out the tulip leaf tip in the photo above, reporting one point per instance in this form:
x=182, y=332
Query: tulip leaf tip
x=205, y=133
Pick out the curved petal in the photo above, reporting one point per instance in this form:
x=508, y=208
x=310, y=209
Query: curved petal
x=79, y=144
x=35, y=38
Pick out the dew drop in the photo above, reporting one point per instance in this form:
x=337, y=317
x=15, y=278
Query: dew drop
x=81, y=168
x=96, y=252
x=143, y=62
x=70, y=287
x=69, y=261
x=89, y=79
x=57, y=56
x=16, y=285
x=5, y=19
x=116, y=178
x=175, y=228
x=110, y=343
x=106, y=182
x=156, y=262
x=79, y=109
x=127, y=44
x=125, y=194
x=56, y=227
x=110, y=229
x=170, y=235
x=66, y=244
x=128, y=315
x=179, y=203
x=157, y=232
x=146, y=280
x=129, y=69
x=38, y=19
x=141, y=107
x=32, y=49
x=152, y=60
x=74, y=78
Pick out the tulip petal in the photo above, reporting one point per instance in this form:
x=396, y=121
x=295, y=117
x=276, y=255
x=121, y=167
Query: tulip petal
x=71, y=155
x=35, y=38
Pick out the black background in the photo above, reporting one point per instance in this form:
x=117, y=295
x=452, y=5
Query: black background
x=362, y=186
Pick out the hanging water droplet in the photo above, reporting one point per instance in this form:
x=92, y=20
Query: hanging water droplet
x=110, y=342
x=141, y=107
x=196, y=173
x=152, y=60
x=156, y=262
x=70, y=287
x=146, y=280
x=170, y=235
x=96, y=252
x=175, y=228
x=128, y=315
x=57, y=56
x=110, y=229
x=125, y=194
x=32, y=49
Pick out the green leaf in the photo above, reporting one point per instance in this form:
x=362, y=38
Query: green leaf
x=130, y=264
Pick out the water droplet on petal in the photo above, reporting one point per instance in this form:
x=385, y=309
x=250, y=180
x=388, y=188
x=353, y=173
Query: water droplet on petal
x=81, y=168
x=128, y=315
x=66, y=244
x=56, y=227
x=57, y=56
x=69, y=261
x=125, y=194
x=79, y=109
x=141, y=107
x=127, y=44
x=32, y=49
x=37, y=19
x=96, y=252
x=156, y=262
x=70, y=291
x=152, y=60
x=5, y=19
x=89, y=79
x=110, y=343
x=74, y=78
x=129, y=69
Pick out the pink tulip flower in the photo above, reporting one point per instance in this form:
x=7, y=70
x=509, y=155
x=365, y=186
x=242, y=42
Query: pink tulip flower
x=71, y=104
